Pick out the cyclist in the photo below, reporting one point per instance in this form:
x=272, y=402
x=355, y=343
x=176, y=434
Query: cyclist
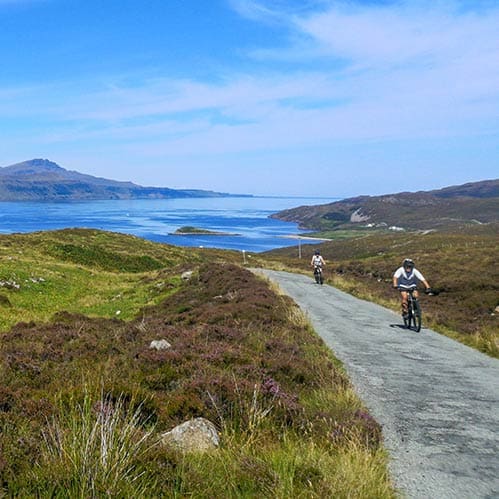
x=317, y=261
x=407, y=277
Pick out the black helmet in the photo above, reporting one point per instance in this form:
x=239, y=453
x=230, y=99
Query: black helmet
x=317, y=252
x=408, y=263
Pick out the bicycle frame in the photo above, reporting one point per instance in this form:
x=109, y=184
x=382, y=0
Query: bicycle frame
x=413, y=320
x=319, y=279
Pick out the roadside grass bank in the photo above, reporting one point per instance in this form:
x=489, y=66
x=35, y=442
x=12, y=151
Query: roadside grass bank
x=462, y=266
x=84, y=399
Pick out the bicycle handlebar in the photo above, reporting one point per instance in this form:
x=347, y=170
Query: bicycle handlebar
x=429, y=291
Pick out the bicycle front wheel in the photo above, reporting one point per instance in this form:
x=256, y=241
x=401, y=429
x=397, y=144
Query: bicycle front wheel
x=416, y=316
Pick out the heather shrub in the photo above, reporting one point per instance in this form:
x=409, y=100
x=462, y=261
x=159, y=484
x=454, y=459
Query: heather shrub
x=240, y=356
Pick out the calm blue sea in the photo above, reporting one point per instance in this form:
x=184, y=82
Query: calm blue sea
x=156, y=220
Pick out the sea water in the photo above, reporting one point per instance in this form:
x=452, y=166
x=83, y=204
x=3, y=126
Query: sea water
x=244, y=221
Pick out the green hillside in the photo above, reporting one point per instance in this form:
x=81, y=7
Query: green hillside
x=84, y=399
x=79, y=309
x=451, y=208
x=86, y=271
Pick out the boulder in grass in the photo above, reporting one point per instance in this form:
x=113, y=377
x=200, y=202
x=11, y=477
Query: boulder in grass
x=195, y=435
x=160, y=345
x=187, y=275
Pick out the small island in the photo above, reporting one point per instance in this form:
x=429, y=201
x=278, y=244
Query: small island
x=196, y=231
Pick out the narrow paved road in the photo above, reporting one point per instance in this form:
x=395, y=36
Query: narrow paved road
x=437, y=400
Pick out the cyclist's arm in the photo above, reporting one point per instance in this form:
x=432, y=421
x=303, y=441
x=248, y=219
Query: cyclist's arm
x=421, y=278
x=396, y=276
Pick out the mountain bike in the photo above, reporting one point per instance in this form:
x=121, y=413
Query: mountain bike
x=319, y=278
x=413, y=319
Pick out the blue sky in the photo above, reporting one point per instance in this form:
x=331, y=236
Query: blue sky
x=274, y=97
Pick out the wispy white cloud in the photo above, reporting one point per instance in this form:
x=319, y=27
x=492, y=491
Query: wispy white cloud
x=352, y=72
x=398, y=59
x=274, y=11
x=421, y=33
x=253, y=10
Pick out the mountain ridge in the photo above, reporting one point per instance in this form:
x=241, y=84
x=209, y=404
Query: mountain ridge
x=470, y=203
x=43, y=180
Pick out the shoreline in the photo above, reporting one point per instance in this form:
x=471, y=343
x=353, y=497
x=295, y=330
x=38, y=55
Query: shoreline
x=307, y=238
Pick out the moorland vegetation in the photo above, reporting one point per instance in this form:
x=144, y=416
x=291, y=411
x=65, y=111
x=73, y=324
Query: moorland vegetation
x=84, y=399
x=461, y=266
x=451, y=233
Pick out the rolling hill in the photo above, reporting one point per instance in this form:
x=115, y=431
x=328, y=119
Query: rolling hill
x=452, y=207
x=44, y=180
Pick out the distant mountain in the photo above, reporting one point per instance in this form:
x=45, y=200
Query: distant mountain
x=472, y=203
x=43, y=180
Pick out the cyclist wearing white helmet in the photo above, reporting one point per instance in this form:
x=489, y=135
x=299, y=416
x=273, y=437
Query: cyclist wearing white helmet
x=406, y=278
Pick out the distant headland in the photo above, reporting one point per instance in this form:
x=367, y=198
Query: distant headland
x=44, y=180
x=471, y=204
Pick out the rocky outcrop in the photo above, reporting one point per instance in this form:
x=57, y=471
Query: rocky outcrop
x=357, y=216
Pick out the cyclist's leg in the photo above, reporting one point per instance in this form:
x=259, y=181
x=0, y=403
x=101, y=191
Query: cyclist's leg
x=404, y=299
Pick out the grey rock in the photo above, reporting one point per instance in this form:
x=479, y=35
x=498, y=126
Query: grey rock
x=195, y=435
x=186, y=275
x=160, y=345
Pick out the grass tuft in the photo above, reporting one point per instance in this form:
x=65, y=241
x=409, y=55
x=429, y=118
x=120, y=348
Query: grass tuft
x=93, y=447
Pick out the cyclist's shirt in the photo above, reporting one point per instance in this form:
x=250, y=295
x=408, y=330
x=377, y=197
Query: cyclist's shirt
x=408, y=280
x=317, y=261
